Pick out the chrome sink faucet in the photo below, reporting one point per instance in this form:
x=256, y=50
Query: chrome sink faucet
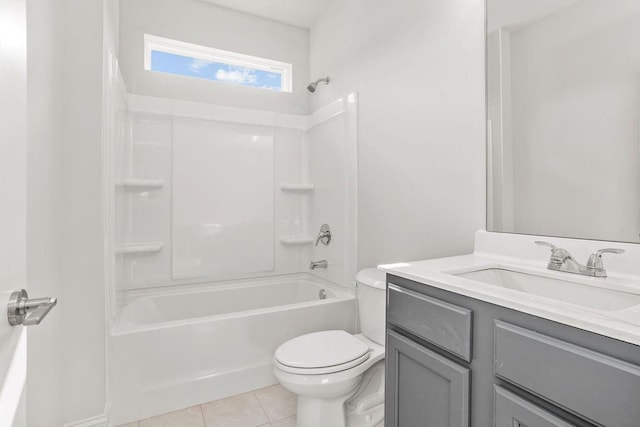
x=562, y=260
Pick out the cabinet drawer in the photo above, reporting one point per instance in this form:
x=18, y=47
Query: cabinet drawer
x=513, y=411
x=443, y=324
x=590, y=384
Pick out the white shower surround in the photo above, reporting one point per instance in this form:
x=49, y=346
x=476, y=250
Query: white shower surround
x=175, y=348
x=317, y=151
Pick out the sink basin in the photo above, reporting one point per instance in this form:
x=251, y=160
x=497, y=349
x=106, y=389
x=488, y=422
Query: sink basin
x=556, y=289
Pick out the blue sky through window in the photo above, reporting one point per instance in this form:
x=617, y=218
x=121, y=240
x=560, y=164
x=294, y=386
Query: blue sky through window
x=193, y=67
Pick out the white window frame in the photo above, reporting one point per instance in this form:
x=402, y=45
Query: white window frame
x=176, y=47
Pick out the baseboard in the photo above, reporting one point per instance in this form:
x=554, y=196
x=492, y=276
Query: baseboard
x=101, y=420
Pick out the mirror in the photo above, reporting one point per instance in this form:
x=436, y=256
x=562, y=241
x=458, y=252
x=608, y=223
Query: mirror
x=563, y=118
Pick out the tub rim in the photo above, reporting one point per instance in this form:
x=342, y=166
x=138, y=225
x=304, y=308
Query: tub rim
x=118, y=326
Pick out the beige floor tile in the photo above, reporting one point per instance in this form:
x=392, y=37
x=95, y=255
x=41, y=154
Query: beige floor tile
x=238, y=411
x=191, y=417
x=287, y=422
x=277, y=402
x=129, y=425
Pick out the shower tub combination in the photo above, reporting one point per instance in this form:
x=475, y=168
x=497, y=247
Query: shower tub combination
x=174, y=348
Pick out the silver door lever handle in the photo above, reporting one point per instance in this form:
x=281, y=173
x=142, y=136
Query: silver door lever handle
x=24, y=311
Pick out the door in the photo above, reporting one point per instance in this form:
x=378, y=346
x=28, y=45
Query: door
x=13, y=149
x=423, y=388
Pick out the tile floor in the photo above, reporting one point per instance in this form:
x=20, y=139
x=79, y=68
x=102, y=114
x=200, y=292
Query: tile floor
x=268, y=407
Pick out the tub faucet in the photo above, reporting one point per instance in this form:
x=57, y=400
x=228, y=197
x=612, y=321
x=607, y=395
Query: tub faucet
x=318, y=264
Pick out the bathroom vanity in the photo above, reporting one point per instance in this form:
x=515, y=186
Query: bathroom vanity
x=465, y=352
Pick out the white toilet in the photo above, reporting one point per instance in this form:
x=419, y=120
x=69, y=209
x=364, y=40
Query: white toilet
x=339, y=377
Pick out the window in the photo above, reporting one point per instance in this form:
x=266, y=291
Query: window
x=191, y=60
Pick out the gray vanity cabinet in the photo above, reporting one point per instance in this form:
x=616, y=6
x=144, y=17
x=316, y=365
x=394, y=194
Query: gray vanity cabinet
x=457, y=361
x=426, y=389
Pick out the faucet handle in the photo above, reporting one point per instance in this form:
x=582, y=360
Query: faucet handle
x=595, y=260
x=558, y=255
x=541, y=243
x=324, y=236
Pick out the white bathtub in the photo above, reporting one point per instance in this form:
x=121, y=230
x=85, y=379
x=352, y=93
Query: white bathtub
x=170, y=349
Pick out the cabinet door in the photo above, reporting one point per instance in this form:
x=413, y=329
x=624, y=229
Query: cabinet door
x=423, y=389
x=513, y=411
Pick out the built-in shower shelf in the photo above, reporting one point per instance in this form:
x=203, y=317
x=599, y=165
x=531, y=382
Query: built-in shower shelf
x=297, y=188
x=292, y=240
x=140, y=248
x=134, y=184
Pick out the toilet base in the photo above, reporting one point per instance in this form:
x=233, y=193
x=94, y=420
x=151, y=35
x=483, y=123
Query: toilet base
x=322, y=412
x=366, y=407
x=361, y=407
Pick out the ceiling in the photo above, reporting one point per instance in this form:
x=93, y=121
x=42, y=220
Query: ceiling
x=299, y=13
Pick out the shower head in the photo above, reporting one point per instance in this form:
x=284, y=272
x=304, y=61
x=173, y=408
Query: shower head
x=314, y=85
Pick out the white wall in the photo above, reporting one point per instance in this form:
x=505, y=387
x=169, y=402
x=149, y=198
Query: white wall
x=82, y=298
x=44, y=209
x=202, y=23
x=418, y=67
x=66, y=352
x=67, y=373
x=575, y=77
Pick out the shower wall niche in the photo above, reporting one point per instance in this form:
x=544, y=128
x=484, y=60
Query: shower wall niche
x=208, y=193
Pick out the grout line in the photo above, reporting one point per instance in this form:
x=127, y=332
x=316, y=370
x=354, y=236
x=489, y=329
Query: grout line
x=204, y=420
x=261, y=405
x=263, y=411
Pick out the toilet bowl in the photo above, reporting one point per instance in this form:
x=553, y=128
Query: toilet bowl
x=339, y=377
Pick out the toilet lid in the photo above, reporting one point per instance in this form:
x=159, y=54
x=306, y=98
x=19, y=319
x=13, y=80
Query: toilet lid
x=322, y=350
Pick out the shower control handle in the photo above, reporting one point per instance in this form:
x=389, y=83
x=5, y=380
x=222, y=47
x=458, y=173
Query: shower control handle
x=324, y=235
x=27, y=312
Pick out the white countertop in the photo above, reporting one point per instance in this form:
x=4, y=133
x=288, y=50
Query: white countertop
x=623, y=325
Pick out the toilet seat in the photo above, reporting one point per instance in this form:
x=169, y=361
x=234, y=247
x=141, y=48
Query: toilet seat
x=321, y=353
x=323, y=370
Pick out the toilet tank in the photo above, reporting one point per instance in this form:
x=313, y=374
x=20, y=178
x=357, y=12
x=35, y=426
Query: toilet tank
x=371, y=303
